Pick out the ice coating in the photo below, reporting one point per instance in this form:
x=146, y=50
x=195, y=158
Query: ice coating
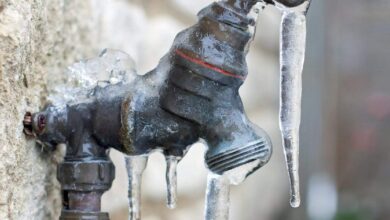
x=237, y=175
x=171, y=179
x=292, y=55
x=135, y=166
x=218, y=190
x=79, y=80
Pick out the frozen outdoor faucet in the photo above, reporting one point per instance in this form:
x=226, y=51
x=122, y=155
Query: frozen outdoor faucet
x=191, y=95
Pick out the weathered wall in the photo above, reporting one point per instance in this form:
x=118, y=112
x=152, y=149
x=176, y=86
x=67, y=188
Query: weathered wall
x=37, y=39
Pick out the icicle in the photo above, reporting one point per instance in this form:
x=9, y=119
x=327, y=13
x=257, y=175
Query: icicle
x=217, y=197
x=171, y=179
x=135, y=166
x=292, y=54
x=218, y=188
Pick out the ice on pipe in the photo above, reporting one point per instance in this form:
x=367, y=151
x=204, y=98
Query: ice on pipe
x=171, y=179
x=79, y=80
x=135, y=166
x=218, y=190
x=292, y=55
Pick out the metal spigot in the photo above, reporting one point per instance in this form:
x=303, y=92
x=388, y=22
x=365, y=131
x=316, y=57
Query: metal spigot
x=192, y=94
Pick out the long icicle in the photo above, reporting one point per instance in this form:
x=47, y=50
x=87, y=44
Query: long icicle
x=292, y=54
x=135, y=167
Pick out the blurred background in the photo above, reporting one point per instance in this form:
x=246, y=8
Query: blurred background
x=345, y=133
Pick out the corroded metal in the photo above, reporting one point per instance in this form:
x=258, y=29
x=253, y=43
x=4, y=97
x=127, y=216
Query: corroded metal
x=27, y=124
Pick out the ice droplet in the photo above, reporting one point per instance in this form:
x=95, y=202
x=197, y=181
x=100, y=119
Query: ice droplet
x=292, y=55
x=135, y=166
x=171, y=179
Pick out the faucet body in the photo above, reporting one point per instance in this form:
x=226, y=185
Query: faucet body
x=192, y=94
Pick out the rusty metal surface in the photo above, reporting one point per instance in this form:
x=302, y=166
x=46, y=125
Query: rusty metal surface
x=72, y=215
x=96, y=175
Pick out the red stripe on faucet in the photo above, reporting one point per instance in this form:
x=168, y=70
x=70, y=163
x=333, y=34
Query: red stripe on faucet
x=208, y=65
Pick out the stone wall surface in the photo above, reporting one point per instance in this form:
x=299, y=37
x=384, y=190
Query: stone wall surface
x=37, y=40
